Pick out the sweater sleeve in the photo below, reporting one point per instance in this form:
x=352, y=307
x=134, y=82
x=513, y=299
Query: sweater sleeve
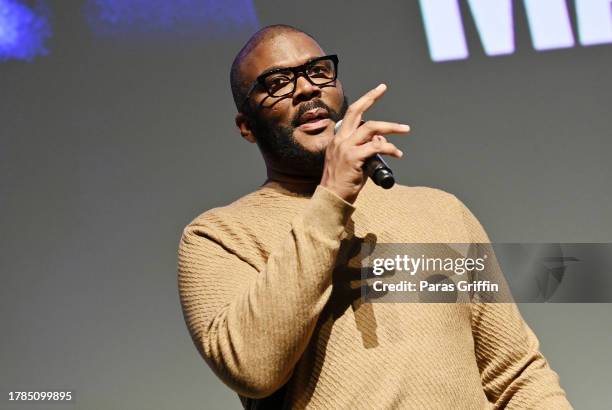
x=514, y=373
x=251, y=327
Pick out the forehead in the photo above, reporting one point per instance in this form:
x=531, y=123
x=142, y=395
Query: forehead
x=283, y=50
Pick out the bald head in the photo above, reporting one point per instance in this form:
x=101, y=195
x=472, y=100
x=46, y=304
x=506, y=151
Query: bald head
x=240, y=85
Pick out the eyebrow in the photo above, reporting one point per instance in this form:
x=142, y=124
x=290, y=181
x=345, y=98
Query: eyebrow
x=276, y=68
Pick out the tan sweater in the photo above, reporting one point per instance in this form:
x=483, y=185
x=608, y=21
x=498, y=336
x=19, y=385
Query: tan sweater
x=267, y=307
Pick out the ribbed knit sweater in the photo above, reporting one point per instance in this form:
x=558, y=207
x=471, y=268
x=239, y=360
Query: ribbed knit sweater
x=270, y=311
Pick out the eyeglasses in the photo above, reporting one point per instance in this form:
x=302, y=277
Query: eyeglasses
x=281, y=82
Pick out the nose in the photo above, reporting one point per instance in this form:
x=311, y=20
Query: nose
x=305, y=90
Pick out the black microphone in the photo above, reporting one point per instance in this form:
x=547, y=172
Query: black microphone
x=375, y=167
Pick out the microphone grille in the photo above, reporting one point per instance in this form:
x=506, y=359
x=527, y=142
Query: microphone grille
x=337, y=126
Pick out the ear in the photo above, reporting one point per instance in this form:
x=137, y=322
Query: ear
x=244, y=126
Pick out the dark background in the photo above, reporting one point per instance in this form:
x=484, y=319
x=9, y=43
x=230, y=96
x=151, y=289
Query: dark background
x=111, y=144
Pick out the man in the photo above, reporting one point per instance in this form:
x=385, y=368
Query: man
x=270, y=307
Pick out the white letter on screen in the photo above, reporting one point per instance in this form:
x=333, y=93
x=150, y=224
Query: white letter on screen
x=594, y=21
x=495, y=25
x=444, y=29
x=549, y=24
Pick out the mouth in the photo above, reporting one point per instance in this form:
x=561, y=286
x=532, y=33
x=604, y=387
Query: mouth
x=314, y=120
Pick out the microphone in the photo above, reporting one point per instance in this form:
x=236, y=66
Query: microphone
x=375, y=167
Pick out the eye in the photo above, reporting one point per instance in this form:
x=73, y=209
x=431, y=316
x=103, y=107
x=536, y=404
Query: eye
x=276, y=83
x=321, y=70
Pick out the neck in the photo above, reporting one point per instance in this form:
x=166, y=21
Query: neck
x=293, y=182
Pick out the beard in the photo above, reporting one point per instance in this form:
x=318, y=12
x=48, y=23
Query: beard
x=278, y=144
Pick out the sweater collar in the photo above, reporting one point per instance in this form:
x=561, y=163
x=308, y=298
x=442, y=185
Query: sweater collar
x=301, y=189
x=305, y=189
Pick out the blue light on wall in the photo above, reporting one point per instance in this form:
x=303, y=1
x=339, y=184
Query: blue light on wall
x=23, y=30
x=177, y=18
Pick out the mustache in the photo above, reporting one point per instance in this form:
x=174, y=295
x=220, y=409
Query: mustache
x=311, y=105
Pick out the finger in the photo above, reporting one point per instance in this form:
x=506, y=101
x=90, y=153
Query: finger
x=378, y=147
x=378, y=137
x=369, y=129
x=355, y=111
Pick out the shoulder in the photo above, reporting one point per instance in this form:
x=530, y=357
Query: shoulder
x=243, y=226
x=425, y=199
x=423, y=193
x=448, y=206
x=221, y=221
x=430, y=209
x=247, y=209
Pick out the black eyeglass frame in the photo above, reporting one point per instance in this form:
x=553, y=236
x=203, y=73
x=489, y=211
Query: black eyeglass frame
x=297, y=71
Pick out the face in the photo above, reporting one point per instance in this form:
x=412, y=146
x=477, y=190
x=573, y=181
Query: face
x=292, y=131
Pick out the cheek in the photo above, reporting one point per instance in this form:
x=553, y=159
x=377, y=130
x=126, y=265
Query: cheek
x=279, y=112
x=339, y=89
x=271, y=109
x=336, y=97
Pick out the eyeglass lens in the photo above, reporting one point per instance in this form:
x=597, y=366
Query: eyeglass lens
x=283, y=82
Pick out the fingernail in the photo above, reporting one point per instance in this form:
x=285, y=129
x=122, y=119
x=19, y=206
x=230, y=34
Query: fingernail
x=405, y=126
x=381, y=86
x=401, y=154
